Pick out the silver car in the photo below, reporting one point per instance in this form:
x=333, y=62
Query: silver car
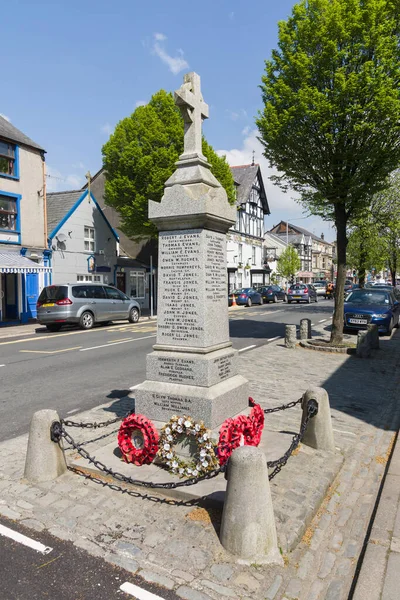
x=84, y=304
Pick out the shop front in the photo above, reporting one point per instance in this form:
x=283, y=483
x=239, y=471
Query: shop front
x=21, y=280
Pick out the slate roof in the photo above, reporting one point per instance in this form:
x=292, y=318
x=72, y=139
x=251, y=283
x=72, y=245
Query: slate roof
x=58, y=204
x=312, y=235
x=11, y=133
x=244, y=176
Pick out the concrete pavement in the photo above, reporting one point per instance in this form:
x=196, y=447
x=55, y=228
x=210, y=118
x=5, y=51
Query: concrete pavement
x=178, y=544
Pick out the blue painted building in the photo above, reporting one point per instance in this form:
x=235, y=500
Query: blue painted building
x=24, y=255
x=83, y=244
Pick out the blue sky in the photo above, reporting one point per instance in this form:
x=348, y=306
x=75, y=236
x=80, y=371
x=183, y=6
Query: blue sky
x=77, y=68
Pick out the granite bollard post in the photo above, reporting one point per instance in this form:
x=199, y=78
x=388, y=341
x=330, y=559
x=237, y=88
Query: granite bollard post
x=290, y=336
x=248, y=525
x=373, y=333
x=319, y=432
x=363, y=349
x=305, y=329
x=45, y=459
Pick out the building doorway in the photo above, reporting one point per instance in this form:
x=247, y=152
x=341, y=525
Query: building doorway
x=9, y=296
x=121, y=281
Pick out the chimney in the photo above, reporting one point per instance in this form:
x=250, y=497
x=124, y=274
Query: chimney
x=322, y=236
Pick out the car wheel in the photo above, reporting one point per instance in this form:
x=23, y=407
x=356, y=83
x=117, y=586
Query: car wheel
x=53, y=327
x=249, y=302
x=87, y=320
x=133, y=315
x=308, y=300
x=261, y=301
x=298, y=301
x=316, y=298
x=275, y=299
x=289, y=301
x=390, y=329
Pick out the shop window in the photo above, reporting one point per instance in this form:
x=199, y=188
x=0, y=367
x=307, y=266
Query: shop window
x=137, y=284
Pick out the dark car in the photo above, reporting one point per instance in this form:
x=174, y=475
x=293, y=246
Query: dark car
x=369, y=305
x=245, y=296
x=272, y=293
x=302, y=292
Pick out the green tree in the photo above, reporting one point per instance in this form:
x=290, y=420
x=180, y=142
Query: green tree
x=331, y=118
x=289, y=263
x=386, y=210
x=140, y=156
x=366, y=248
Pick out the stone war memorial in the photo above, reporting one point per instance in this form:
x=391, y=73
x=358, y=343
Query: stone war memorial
x=193, y=368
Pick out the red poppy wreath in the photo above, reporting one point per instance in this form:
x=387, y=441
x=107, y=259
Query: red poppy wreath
x=241, y=431
x=138, y=440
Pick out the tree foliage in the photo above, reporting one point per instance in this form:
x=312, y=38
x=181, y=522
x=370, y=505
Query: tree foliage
x=140, y=156
x=289, y=263
x=331, y=118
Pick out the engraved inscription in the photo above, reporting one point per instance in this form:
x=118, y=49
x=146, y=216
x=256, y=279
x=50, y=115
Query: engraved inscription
x=172, y=403
x=224, y=366
x=215, y=268
x=176, y=369
x=180, y=267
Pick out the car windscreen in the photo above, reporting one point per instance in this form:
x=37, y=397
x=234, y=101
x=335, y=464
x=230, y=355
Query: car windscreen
x=368, y=297
x=318, y=284
x=53, y=293
x=298, y=286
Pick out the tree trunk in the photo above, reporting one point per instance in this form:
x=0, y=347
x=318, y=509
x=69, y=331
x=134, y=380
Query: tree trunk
x=362, y=264
x=341, y=240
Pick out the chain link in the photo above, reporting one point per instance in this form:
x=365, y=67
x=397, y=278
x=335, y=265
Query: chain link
x=277, y=465
x=95, y=425
x=268, y=411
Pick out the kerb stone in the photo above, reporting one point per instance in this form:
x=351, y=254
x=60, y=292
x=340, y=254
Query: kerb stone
x=319, y=432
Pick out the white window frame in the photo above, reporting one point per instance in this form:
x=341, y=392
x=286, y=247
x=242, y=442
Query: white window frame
x=89, y=239
x=140, y=277
x=90, y=278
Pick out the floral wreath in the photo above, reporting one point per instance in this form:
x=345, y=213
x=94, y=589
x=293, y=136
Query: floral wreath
x=138, y=440
x=204, y=460
x=241, y=431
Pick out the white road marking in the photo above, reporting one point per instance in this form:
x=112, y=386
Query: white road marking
x=273, y=339
x=74, y=410
x=322, y=320
x=116, y=343
x=23, y=539
x=138, y=592
x=247, y=348
x=2, y=365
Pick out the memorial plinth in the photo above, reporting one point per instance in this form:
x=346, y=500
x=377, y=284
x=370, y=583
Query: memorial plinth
x=193, y=369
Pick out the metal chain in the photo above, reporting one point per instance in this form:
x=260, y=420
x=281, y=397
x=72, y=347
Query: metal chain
x=283, y=406
x=101, y=437
x=94, y=425
x=120, y=477
x=277, y=465
x=57, y=432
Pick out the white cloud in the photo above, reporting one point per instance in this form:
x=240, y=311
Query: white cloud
x=80, y=165
x=140, y=103
x=5, y=117
x=57, y=182
x=175, y=64
x=283, y=205
x=107, y=129
x=232, y=115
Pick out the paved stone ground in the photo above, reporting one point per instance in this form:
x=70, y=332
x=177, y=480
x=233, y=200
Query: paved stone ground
x=177, y=546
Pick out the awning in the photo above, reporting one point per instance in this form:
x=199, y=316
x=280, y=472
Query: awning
x=13, y=262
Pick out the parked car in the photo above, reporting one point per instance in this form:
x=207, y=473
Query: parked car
x=245, y=296
x=84, y=304
x=272, y=293
x=302, y=292
x=320, y=287
x=348, y=284
x=371, y=305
